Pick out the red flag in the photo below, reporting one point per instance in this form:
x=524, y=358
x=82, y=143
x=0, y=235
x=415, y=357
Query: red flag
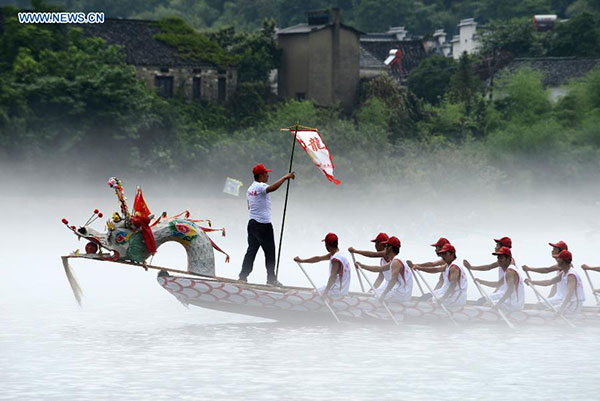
x=139, y=204
x=315, y=148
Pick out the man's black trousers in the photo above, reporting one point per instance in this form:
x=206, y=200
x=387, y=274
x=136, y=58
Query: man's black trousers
x=260, y=235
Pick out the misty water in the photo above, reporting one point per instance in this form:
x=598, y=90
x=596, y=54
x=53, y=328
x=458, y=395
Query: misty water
x=131, y=339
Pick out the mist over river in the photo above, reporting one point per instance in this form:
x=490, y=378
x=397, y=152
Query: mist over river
x=133, y=340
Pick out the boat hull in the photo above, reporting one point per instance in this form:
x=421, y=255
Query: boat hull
x=303, y=304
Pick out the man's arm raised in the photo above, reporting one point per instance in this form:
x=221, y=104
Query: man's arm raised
x=480, y=267
x=313, y=259
x=275, y=186
x=368, y=254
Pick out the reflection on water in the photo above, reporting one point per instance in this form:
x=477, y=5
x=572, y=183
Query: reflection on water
x=148, y=350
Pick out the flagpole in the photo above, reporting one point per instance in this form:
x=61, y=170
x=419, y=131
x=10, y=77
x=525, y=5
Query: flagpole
x=287, y=191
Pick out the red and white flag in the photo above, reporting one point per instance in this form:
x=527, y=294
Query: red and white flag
x=315, y=148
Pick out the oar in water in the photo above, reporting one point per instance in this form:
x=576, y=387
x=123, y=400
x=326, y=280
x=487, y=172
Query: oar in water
x=487, y=298
x=357, y=273
x=318, y=292
x=591, y=285
x=549, y=304
x=358, y=269
x=435, y=296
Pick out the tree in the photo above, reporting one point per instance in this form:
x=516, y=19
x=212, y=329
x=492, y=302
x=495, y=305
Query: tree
x=430, y=80
x=579, y=37
x=465, y=86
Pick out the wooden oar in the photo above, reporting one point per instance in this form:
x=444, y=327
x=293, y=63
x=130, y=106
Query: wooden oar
x=357, y=273
x=358, y=269
x=591, y=286
x=318, y=292
x=535, y=292
x=436, y=298
x=550, y=305
x=485, y=295
x=417, y=281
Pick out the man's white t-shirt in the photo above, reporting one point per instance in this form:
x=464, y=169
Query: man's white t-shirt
x=259, y=202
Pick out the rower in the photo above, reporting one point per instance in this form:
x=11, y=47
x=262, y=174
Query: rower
x=592, y=268
x=437, y=263
x=557, y=248
x=500, y=243
x=339, y=268
x=569, y=289
x=452, y=291
x=509, y=294
x=380, y=252
x=398, y=276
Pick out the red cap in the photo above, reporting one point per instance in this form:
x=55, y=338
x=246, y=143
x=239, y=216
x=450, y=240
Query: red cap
x=393, y=241
x=330, y=238
x=505, y=242
x=564, y=255
x=259, y=169
x=447, y=248
x=441, y=242
x=560, y=245
x=503, y=251
x=381, y=237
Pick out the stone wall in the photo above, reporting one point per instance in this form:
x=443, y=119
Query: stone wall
x=183, y=80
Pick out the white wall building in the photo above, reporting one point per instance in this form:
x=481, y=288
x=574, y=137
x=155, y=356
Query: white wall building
x=467, y=39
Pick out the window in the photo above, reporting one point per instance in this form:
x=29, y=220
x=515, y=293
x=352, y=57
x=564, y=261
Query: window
x=222, y=86
x=164, y=85
x=300, y=95
x=197, y=88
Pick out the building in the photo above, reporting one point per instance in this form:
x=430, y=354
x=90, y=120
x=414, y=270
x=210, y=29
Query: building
x=320, y=60
x=159, y=64
x=395, y=51
x=467, y=39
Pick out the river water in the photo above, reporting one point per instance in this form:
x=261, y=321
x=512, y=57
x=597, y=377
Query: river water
x=132, y=340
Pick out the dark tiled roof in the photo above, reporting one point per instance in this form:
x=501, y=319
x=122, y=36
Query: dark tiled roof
x=305, y=28
x=412, y=50
x=557, y=70
x=367, y=60
x=140, y=46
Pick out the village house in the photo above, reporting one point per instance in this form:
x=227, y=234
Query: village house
x=320, y=60
x=159, y=64
x=394, y=51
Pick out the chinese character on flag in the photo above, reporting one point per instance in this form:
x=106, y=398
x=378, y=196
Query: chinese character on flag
x=313, y=145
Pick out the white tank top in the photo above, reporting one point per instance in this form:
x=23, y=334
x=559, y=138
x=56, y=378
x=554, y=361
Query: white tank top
x=404, y=283
x=459, y=296
x=562, y=288
x=517, y=298
x=342, y=283
x=501, y=272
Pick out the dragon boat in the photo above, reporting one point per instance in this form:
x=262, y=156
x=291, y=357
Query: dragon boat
x=127, y=241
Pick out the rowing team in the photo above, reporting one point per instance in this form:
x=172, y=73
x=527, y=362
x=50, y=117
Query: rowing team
x=395, y=280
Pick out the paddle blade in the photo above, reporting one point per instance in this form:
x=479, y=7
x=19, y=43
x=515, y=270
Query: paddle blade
x=77, y=293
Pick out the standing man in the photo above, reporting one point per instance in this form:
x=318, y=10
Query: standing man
x=569, y=288
x=338, y=283
x=260, y=229
x=380, y=252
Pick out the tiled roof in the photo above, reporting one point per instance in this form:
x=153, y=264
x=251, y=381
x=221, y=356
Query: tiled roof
x=137, y=39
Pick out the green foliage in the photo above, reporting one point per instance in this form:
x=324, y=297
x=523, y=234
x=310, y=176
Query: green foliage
x=579, y=36
x=191, y=44
x=516, y=36
x=523, y=97
x=465, y=86
x=430, y=80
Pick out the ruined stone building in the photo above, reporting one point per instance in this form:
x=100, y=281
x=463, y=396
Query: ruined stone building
x=160, y=65
x=320, y=60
